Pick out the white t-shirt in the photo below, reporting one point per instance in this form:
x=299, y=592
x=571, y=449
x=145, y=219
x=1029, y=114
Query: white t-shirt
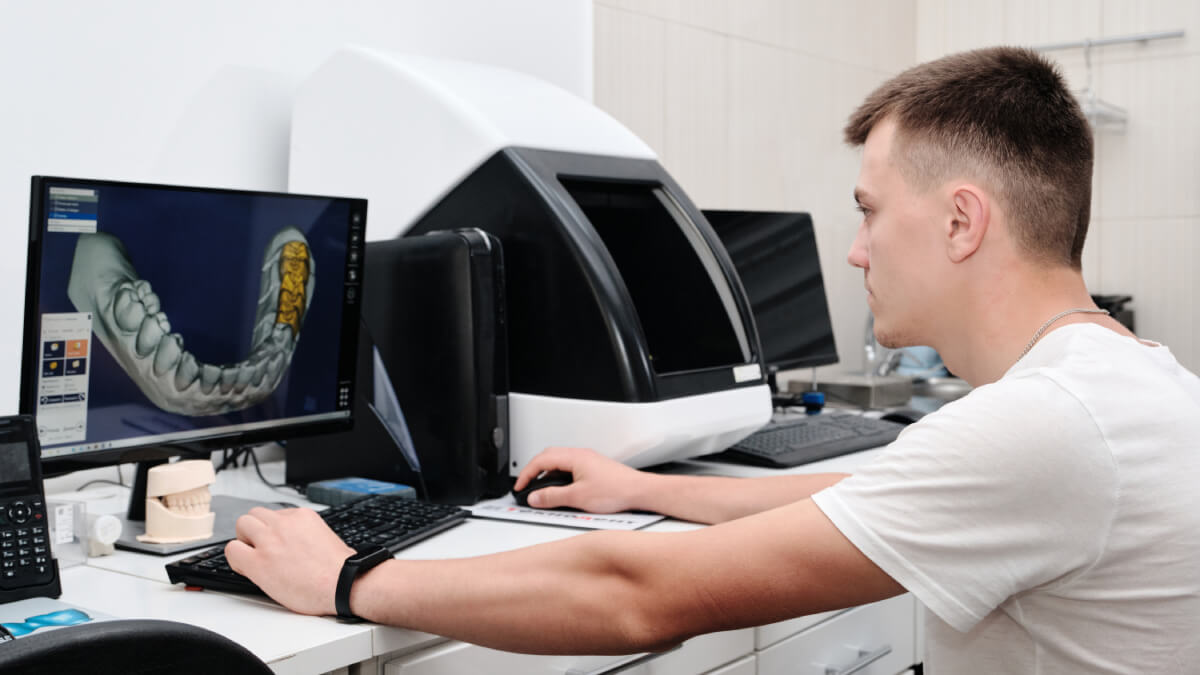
x=1049, y=521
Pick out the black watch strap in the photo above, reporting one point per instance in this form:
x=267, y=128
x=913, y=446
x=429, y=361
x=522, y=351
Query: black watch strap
x=354, y=567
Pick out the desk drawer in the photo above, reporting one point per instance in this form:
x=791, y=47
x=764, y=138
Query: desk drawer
x=698, y=655
x=765, y=636
x=884, y=629
x=743, y=666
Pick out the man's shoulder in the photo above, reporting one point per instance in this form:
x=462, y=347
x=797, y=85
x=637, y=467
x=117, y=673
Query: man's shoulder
x=1118, y=381
x=1029, y=398
x=1019, y=430
x=1098, y=359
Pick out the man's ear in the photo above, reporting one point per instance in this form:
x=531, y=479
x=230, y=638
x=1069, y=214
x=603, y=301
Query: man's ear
x=969, y=220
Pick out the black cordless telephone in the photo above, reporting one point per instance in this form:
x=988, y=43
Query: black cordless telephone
x=27, y=568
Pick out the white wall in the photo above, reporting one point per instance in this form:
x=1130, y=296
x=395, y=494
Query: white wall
x=199, y=93
x=745, y=100
x=1144, y=238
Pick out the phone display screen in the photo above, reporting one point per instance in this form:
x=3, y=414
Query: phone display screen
x=14, y=463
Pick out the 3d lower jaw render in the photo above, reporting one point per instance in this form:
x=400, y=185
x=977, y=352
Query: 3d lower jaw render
x=131, y=324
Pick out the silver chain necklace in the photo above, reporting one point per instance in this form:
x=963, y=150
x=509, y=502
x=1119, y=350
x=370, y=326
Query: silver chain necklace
x=1051, y=320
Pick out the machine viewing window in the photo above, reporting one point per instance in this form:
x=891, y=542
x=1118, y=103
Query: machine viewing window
x=158, y=316
x=681, y=297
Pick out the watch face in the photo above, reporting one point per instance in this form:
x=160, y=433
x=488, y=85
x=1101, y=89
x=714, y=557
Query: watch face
x=370, y=556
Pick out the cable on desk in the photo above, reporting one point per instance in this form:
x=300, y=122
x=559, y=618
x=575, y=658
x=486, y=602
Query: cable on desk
x=230, y=457
x=100, y=480
x=253, y=457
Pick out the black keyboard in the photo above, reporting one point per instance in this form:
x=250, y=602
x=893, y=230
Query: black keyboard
x=374, y=520
x=801, y=440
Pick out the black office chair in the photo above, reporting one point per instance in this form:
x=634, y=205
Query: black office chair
x=128, y=647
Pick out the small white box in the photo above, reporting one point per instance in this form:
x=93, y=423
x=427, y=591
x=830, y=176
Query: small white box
x=68, y=531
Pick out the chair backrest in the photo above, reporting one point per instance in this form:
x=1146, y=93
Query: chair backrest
x=128, y=647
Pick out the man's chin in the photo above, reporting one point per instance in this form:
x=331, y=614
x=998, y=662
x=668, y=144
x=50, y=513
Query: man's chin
x=893, y=340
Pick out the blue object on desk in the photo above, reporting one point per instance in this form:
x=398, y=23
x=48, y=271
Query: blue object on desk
x=341, y=490
x=65, y=617
x=921, y=362
x=813, y=401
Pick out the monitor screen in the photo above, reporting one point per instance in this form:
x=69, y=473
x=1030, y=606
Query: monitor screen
x=178, y=317
x=775, y=254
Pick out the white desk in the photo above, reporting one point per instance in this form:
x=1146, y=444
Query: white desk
x=134, y=585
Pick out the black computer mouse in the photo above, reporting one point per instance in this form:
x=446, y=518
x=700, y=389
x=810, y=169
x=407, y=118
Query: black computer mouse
x=547, y=479
x=902, y=415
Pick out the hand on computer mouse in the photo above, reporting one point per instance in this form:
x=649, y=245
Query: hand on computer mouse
x=545, y=480
x=599, y=485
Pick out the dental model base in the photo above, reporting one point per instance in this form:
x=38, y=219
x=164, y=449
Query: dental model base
x=130, y=322
x=178, y=503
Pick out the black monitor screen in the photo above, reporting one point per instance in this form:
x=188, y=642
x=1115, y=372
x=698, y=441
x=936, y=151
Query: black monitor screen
x=776, y=258
x=171, y=316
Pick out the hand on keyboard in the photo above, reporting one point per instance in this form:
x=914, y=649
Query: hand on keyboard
x=270, y=537
x=292, y=555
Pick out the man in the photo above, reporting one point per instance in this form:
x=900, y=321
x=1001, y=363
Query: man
x=1049, y=520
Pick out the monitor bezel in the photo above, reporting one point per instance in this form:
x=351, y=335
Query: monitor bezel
x=221, y=437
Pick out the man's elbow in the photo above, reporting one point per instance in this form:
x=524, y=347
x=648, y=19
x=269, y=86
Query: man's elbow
x=661, y=619
x=648, y=632
x=652, y=610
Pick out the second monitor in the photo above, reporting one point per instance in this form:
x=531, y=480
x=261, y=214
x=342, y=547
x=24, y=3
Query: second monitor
x=775, y=253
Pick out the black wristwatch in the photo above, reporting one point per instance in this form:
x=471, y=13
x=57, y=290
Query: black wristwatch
x=355, y=566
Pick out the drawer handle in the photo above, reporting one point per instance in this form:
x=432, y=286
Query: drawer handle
x=627, y=664
x=865, y=658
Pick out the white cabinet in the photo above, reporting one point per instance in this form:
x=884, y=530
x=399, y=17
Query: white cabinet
x=701, y=654
x=875, y=639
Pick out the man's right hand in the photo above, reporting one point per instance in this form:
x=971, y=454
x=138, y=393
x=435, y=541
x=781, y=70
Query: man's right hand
x=599, y=484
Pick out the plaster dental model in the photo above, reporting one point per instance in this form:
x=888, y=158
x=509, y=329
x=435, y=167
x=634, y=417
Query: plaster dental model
x=178, y=503
x=128, y=319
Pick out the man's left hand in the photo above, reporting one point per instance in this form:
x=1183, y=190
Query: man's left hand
x=292, y=555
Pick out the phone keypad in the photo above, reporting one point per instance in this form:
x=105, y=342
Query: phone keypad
x=24, y=545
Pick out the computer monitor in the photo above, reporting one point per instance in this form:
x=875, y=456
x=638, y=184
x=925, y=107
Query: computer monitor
x=775, y=254
x=165, y=320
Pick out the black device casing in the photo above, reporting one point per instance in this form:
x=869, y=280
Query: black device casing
x=30, y=493
x=574, y=329
x=434, y=308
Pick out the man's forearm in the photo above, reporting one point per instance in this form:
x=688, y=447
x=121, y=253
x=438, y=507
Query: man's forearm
x=627, y=592
x=716, y=499
x=590, y=594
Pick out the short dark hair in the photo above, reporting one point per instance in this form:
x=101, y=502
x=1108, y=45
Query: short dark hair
x=1004, y=115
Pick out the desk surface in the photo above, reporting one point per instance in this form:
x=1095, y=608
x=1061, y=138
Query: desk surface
x=134, y=585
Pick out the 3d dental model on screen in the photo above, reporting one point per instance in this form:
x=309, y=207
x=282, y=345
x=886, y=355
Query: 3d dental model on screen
x=128, y=319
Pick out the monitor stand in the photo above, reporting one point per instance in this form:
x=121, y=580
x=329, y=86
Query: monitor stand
x=226, y=508
x=779, y=400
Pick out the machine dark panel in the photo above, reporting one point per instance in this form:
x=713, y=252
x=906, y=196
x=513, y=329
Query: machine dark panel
x=576, y=329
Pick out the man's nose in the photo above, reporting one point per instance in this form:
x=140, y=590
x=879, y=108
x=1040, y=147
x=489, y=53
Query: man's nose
x=859, y=255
